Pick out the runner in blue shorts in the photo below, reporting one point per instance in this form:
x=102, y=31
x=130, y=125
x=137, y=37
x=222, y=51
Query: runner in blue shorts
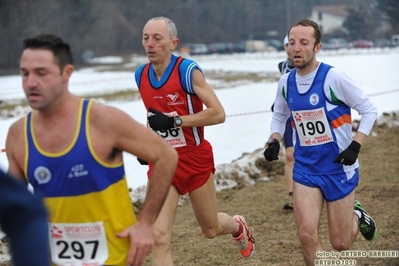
x=318, y=100
x=333, y=186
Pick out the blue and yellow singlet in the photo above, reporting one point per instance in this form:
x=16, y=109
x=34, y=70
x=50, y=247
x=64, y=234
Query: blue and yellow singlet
x=87, y=199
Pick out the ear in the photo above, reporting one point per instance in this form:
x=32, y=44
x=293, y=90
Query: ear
x=67, y=72
x=317, y=48
x=175, y=42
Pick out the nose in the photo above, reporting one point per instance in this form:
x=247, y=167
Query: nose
x=150, y=42
x=30, y=81
x=295, y=46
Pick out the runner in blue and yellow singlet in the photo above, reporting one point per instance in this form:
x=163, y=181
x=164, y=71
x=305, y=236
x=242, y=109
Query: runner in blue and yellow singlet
x=71, y=151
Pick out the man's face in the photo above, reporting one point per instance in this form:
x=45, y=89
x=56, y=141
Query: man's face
x=157, y=41
x=302, y=47
x=41, y=77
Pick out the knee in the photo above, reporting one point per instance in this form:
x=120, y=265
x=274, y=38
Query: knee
x=162, y=237
x=340, y=244
x=307, y=236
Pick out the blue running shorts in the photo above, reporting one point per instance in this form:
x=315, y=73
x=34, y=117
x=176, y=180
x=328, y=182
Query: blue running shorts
x=333, y=186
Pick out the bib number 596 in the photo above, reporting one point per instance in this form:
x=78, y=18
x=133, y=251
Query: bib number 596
x=172, y=132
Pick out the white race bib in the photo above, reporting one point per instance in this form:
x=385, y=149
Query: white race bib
x=78, y=244
x=174, y=136
x=312, y=127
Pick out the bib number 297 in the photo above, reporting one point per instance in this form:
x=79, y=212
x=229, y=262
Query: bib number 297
x=77, y=249
x=78, y=244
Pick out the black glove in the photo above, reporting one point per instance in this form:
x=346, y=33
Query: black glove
x=273, y=148
x=142, y=162
x=349, y=156
x=160, y=121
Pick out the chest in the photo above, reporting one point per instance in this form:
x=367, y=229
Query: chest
x=56, y=136
x=166, y=92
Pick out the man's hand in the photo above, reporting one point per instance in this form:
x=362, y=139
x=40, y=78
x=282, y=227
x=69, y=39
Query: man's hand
x=160, y=121
x=349, y=156
x=273, y=148
x=142, y=240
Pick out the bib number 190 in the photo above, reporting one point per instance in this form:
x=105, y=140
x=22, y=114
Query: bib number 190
x=312, y=128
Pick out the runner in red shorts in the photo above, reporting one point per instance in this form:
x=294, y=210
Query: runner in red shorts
x=174, y=92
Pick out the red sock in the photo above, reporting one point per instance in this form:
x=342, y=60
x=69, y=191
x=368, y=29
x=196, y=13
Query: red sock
x=239, y=230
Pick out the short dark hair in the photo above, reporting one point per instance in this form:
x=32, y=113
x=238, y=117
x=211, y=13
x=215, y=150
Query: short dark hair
x=311, y=23
x=60, y=49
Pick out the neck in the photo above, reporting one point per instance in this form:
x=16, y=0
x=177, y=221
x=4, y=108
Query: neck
x=306, y=69
x=160, y=67
x=61, y=108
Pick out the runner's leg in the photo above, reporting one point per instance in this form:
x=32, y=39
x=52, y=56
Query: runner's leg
x=342, y=222
x=308, y=202
x=212, y=223
x=161, y=253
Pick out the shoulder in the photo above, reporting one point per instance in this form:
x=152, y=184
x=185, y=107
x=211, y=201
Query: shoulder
x=138, y=71
x=284, y=78
x=103, y=113
x=188, y=65
x=17, y=128
x=282, y=83
x=15, y=147
x=137, y=74
x=337, y=75
x=141, y=67
x=190, y=74
x=107, y=120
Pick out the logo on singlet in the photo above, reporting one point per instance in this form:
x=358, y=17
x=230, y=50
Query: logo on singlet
x=314, y=99
x=173, y=98
x=77, y=171
x=42, y=175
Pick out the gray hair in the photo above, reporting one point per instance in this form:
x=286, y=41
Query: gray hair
x=170, y=25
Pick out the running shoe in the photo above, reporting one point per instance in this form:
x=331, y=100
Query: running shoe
x=288, y=206
x=245, y=241
x=366, y=223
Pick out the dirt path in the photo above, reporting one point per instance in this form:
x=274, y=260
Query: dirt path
x=275, y=229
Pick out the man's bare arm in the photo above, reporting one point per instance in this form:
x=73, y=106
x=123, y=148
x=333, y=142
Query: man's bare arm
x=15, y=150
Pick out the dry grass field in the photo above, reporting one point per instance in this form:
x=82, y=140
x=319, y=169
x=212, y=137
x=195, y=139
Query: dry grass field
x=274, y=229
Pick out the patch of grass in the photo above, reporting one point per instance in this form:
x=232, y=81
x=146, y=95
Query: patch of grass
x=275, y=230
